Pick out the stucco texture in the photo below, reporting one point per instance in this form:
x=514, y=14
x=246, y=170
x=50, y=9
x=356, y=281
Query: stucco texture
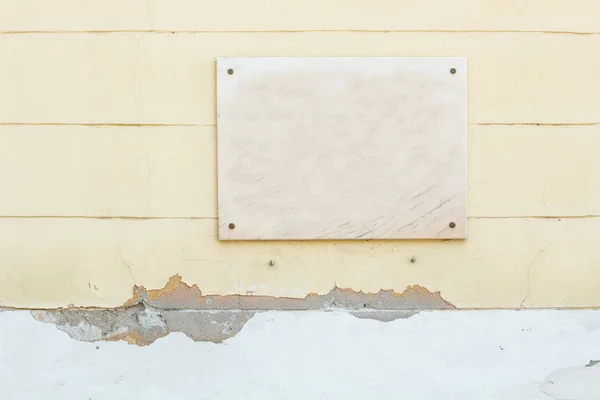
x=108, y=150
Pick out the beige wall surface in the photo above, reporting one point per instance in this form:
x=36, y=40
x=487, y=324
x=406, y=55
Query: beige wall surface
x=108, y=149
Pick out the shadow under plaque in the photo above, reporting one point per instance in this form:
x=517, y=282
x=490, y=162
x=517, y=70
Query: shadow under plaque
x=341, y=148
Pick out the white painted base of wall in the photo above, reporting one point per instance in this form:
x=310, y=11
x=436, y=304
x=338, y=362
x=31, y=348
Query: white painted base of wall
x=462, y=355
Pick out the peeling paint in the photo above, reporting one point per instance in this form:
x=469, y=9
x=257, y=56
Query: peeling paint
x=177, y=295
x=141, y=325
x=178, y=307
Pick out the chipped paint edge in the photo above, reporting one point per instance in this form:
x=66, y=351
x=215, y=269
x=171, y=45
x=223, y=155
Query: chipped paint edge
x=176, y=294
x=178, y=307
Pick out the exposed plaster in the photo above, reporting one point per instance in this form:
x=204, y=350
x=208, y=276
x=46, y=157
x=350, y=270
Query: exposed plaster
x=142, y=325
x=178, y=307
x=178, y=295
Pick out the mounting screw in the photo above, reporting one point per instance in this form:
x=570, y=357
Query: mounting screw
x=271, y=263
x=230, y=71
x=232, y=226
x=452, y=225
x=452, y=71
x=413, y=260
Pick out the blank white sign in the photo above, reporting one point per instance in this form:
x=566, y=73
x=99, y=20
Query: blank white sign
x=341, y=148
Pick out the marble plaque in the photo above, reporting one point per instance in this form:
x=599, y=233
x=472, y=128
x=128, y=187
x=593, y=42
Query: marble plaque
x=341, y=148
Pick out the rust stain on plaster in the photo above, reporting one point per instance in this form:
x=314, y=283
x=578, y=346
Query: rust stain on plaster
x=178, y=307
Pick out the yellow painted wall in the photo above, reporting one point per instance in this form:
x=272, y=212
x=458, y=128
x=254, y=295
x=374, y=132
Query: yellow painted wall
x=108, y=157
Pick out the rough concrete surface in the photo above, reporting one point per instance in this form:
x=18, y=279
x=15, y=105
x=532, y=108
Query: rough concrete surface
x=178, y=307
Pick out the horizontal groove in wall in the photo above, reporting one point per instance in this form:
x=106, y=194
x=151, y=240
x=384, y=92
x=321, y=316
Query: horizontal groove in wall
x=535, y=217
x=535, y=124
x=170, y=32
x=97, y=124
x=215, y=218
x=99, y=217
x=579, y=16
x=540, y=124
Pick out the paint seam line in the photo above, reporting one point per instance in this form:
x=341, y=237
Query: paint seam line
x=537, y=217
x=536, y=123
x=101, y=217
x=101, y=124
x=215, y=217
x=149, y=125
x=278, y=31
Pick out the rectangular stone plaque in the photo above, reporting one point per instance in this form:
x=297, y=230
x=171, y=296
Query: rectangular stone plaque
x=341, y=148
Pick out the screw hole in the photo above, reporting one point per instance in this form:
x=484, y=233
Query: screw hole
x=452, y=225
x=452, y=71
x=230, y=71
x=413, y=260
x=271, y=263
x=232, y=226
